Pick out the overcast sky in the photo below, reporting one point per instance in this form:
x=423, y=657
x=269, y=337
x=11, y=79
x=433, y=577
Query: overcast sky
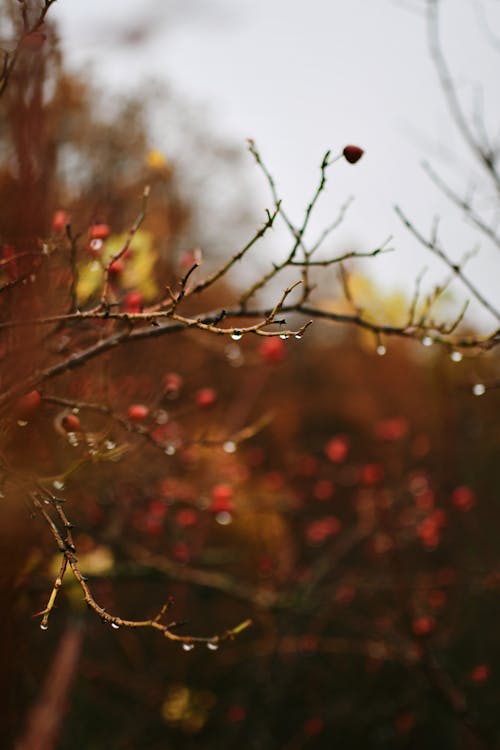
x=301, y=78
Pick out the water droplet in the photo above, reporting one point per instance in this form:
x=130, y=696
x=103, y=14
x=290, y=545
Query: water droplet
x=187, y=646
x=284, y=336
x=478, y=389
x=298, y=336
x=427, y=341
x=57, y=484
x=115, y=626
x=170, y=450
x=72, y=439
x=233, y=352
x=456, y=356
x=75, y=410
x=236, y=335
x=213, y=646
x=21, y=423
x=381, y=350
x=109, y=445
x=96, y=244
x=161, y=416
x=229, y=446
x=223, y=518
x=44, y=626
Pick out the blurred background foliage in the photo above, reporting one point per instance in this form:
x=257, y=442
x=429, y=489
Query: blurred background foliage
x=356, y=523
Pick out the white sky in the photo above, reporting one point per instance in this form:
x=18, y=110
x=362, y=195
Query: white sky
x=302, y=77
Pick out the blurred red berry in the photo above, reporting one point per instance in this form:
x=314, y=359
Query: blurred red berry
x=480, y=673
x=236, y=714
x=206, y=397
x=463, y=498
x=318, y=531
x=172, y=383
x=186, y=517
x=71, y=423
x=423, y=625
x=116, y=268
x=273, y=350
x=337, y=448
x=323, y=490
x=392, y=429
x=60, y=220
x=353, y=154
x=371, y=474
x=222, y=496
x=99, y=232
x=133, y=302
x=28, y=403
x=137, y=412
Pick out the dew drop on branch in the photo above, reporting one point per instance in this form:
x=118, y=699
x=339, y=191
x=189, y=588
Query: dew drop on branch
x=284, y=336
x=187, y=646
x=170, y=450
x=236, y=335
x=115, y=626
x=381, y=350
x=229, y=446
x=44, y=626
x=213, y=646
x=427, y=341
x=478, y=389
x=161, y=416
x=223, y=518
x=456, y=356
x=57, y=484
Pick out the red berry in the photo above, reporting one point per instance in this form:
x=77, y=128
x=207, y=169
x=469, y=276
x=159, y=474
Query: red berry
x=28, y=403
x=71, y=423
x=172, y=383
x=392, y=429
x=353, y=154
x=236, y=714
x=222, y=496
x=337, y=448
x=137, y=412
x=99, y=232
x=186, y=517
x=463, y=498
x=116, y=267
x=133, y=302
x=480, y=673
x=60, y=220
x=423, y=625
x=371, y=474
x=206, y=397
x=272, y=350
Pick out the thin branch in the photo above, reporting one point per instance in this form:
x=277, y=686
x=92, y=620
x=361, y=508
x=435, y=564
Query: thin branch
x=69, y=552
x=432, y=245
x=484, y=155
x=463, y=204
